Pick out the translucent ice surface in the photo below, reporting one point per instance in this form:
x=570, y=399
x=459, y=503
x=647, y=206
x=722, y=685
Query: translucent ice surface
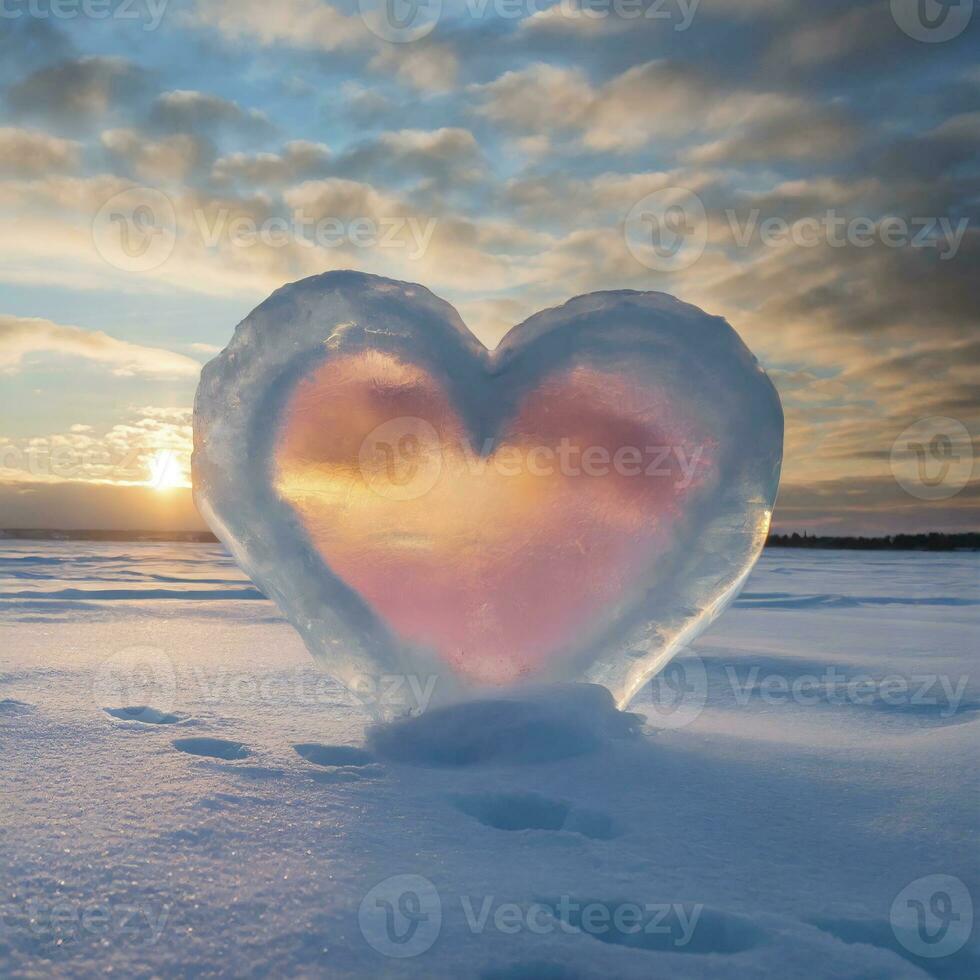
x=575, y=505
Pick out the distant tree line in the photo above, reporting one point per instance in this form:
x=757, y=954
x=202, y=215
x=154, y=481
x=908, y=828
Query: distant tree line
x=53, y=534
x=934, y=541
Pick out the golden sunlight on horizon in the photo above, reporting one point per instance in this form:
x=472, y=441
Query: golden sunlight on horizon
x=165, y=472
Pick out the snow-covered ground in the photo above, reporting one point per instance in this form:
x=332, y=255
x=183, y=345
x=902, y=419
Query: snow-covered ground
x=802, y=801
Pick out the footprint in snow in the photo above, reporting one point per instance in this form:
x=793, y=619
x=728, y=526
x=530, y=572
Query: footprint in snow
x=334, y=755
x=9, y=706
x=145, y=715
x=212, y=748
x=339, y=763
x=531, y=811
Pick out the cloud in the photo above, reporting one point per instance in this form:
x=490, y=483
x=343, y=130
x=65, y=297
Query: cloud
x=565, y=203
x=30, y=43
x=571, y=17
x=298, y=160
x=445, y=156
x=172, y=158
x=25, y=152
x=832, y=36
x=666, y=100
x=492, y=319
x=790, y=132
x=199, y=112
x=343, y=199
x=425, y=147
x=73, y=91
x=923, y=158
x=427, y=65
x=367, y=106
x=46, y=235
x=21, y=336
x=311, y=25
x=541, y=97
x=47, y=232
x=127, y=453
x=448, y=250
x=872, y=292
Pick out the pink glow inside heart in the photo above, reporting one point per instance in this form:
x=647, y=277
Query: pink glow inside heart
x=497, y=558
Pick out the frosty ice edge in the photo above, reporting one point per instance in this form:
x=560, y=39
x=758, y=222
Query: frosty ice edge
x=575, y=505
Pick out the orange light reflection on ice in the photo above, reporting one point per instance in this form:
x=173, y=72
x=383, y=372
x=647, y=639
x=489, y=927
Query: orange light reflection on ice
x=509, y=555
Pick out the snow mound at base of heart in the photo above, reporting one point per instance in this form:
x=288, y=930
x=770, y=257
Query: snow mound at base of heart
x=542, y=724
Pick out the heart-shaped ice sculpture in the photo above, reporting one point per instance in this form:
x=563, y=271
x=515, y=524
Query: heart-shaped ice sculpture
x=575, y=505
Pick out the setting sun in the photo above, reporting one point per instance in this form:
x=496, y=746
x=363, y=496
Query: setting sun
x=165, y=471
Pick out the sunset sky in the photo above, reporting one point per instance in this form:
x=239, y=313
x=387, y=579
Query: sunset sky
x=509, y=158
